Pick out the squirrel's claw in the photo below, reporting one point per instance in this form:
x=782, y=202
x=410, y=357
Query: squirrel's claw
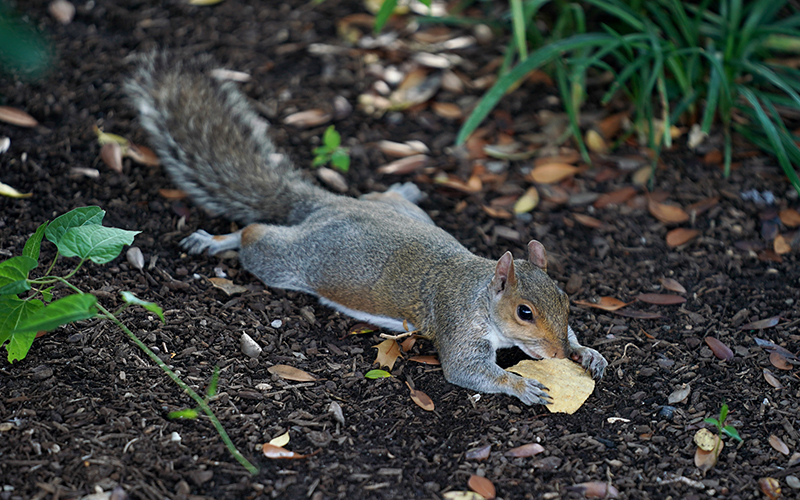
x=591, y=360
x=197, y=242
x=532, y=392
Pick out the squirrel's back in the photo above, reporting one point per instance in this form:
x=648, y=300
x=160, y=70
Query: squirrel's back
x=214, y=146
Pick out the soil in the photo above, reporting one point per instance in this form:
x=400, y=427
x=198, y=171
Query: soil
x=88, y=411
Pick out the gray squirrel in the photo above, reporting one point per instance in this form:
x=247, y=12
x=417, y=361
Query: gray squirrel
x=379, y=258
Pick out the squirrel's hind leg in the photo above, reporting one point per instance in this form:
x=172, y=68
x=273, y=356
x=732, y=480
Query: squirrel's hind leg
x=200, y=240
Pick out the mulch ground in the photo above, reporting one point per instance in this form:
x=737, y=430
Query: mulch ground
x=88, y=410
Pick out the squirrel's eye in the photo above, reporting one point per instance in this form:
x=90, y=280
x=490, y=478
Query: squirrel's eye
x=524, y=312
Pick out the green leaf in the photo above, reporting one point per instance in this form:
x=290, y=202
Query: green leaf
x=66, y=310
x=47, y=294
x=723, y=413
x=212, y=386
x=332, y=138
x=14, y=274
x=34, y=243
x=341, y=159
x=732, y=432
x=387, y=8
x=130, y=298
x=372, y=374
x=84, y=216
x=189, y=414
x=712, y=421
x=100, y=244
x=13, y=311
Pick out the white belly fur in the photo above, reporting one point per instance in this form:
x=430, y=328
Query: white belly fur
x=382, y=321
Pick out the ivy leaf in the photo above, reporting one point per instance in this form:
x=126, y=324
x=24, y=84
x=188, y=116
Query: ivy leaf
x=34, y=243
x=13, y=311
x=130, y=298
x=388, y=352
x=100, y=244
x=14, y=274
x=66, y=310
x=84, y=216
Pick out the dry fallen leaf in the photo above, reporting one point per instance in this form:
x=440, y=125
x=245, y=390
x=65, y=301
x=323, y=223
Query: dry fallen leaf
x=479, y=454
x=426, y=360
x=680, y=394
x=672, y=285
x=615, y=197
x=281, y=440
x=462, y=495
x=272, y=451
x=719, y=349
x=421, y=399
x=642, y=175
x=709, y=446
x=16, y=117
x=405, y=165
x=402, y=149
x=761, y=324
x=680, y=235
x=552, y=172
x=142, y=155
x=6, y=190
x=570, y=157
x=388, y=352
x=702, y=205
x=526, y=450
x=772, y=379
x=661, y=299
x=778, y=444
x=111, y=154
x=471, y=186
x=173, y=194
x=668, y=214
x=527, y=201
x=780, y=245
x=588, y=221
x=567, y=382
x=227, y=286
x=770, y=487
x=790, y=217
x=595, y=142
x=595, y=489
x=482, y=486
x=779, y=361
x=604, y=303
x=447, y=110
x=287, y=372
x=309, y=118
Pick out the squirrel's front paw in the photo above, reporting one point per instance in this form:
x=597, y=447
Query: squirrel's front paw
x=590, y=360
x=197, y=242
x=530, y=391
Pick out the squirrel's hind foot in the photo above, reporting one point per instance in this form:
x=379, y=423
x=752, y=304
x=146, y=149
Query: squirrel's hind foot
x=201, y=240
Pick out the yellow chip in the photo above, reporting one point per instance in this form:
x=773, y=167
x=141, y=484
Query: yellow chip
x=705, y=439
x=568, y=383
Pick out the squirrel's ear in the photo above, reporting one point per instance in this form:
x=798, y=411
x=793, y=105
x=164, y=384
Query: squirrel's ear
x=537, y=255
x=503, y=274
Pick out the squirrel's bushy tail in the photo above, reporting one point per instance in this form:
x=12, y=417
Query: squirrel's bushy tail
x=214, y=145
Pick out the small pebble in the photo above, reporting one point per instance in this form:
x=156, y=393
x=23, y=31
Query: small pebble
x=276, y=323
x=249, y=346
x=793, y=482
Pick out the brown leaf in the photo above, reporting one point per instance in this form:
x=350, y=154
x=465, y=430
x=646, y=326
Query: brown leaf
x=772, y=379
x=111, y=154
x=595, y=142
x=588, y=221
x=287, y=372
x=497, y=213
x=790, y=217
x=604, y=303
x=705, y=460
x=761, y=324
x=552, y=172
x=780, y=245
x=227, y=286
x=668, y=214
x=308, y=118
x=779, y=361
x=713, y=157
x=642, y=175
x=672, y=285
x=769, y=256
x=680, y=235
x=595, y=489
x=639, y=314
x=17, y=117
x=777, y=444
x=611, y=124
x=402, y=149
x=472, y=186
x=770, y=487
x=719, y=349
x=421, y=399
x=702, y=205
x=526, y=450
x=482, y=486
x=172, y=194
x=408, y=343
x=388, y=352
x=447, y=110
x=479, y=454
x=426, y=360
x=272, y=451
x=615, y=197
x=661, y=299
x=142, y=155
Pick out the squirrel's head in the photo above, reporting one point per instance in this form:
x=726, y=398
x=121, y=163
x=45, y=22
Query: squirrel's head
x=530, y=309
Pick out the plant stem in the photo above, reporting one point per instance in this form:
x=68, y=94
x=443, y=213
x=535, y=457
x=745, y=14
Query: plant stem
x=188, y=390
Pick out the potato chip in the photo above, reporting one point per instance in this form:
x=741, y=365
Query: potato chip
x=568, y=383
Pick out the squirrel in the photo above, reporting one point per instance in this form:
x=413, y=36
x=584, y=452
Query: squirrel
x=379, y=258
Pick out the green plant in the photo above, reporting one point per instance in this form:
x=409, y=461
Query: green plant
x=677, y=61
x=719, y=423
x=78, y=233
x=332, y=151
